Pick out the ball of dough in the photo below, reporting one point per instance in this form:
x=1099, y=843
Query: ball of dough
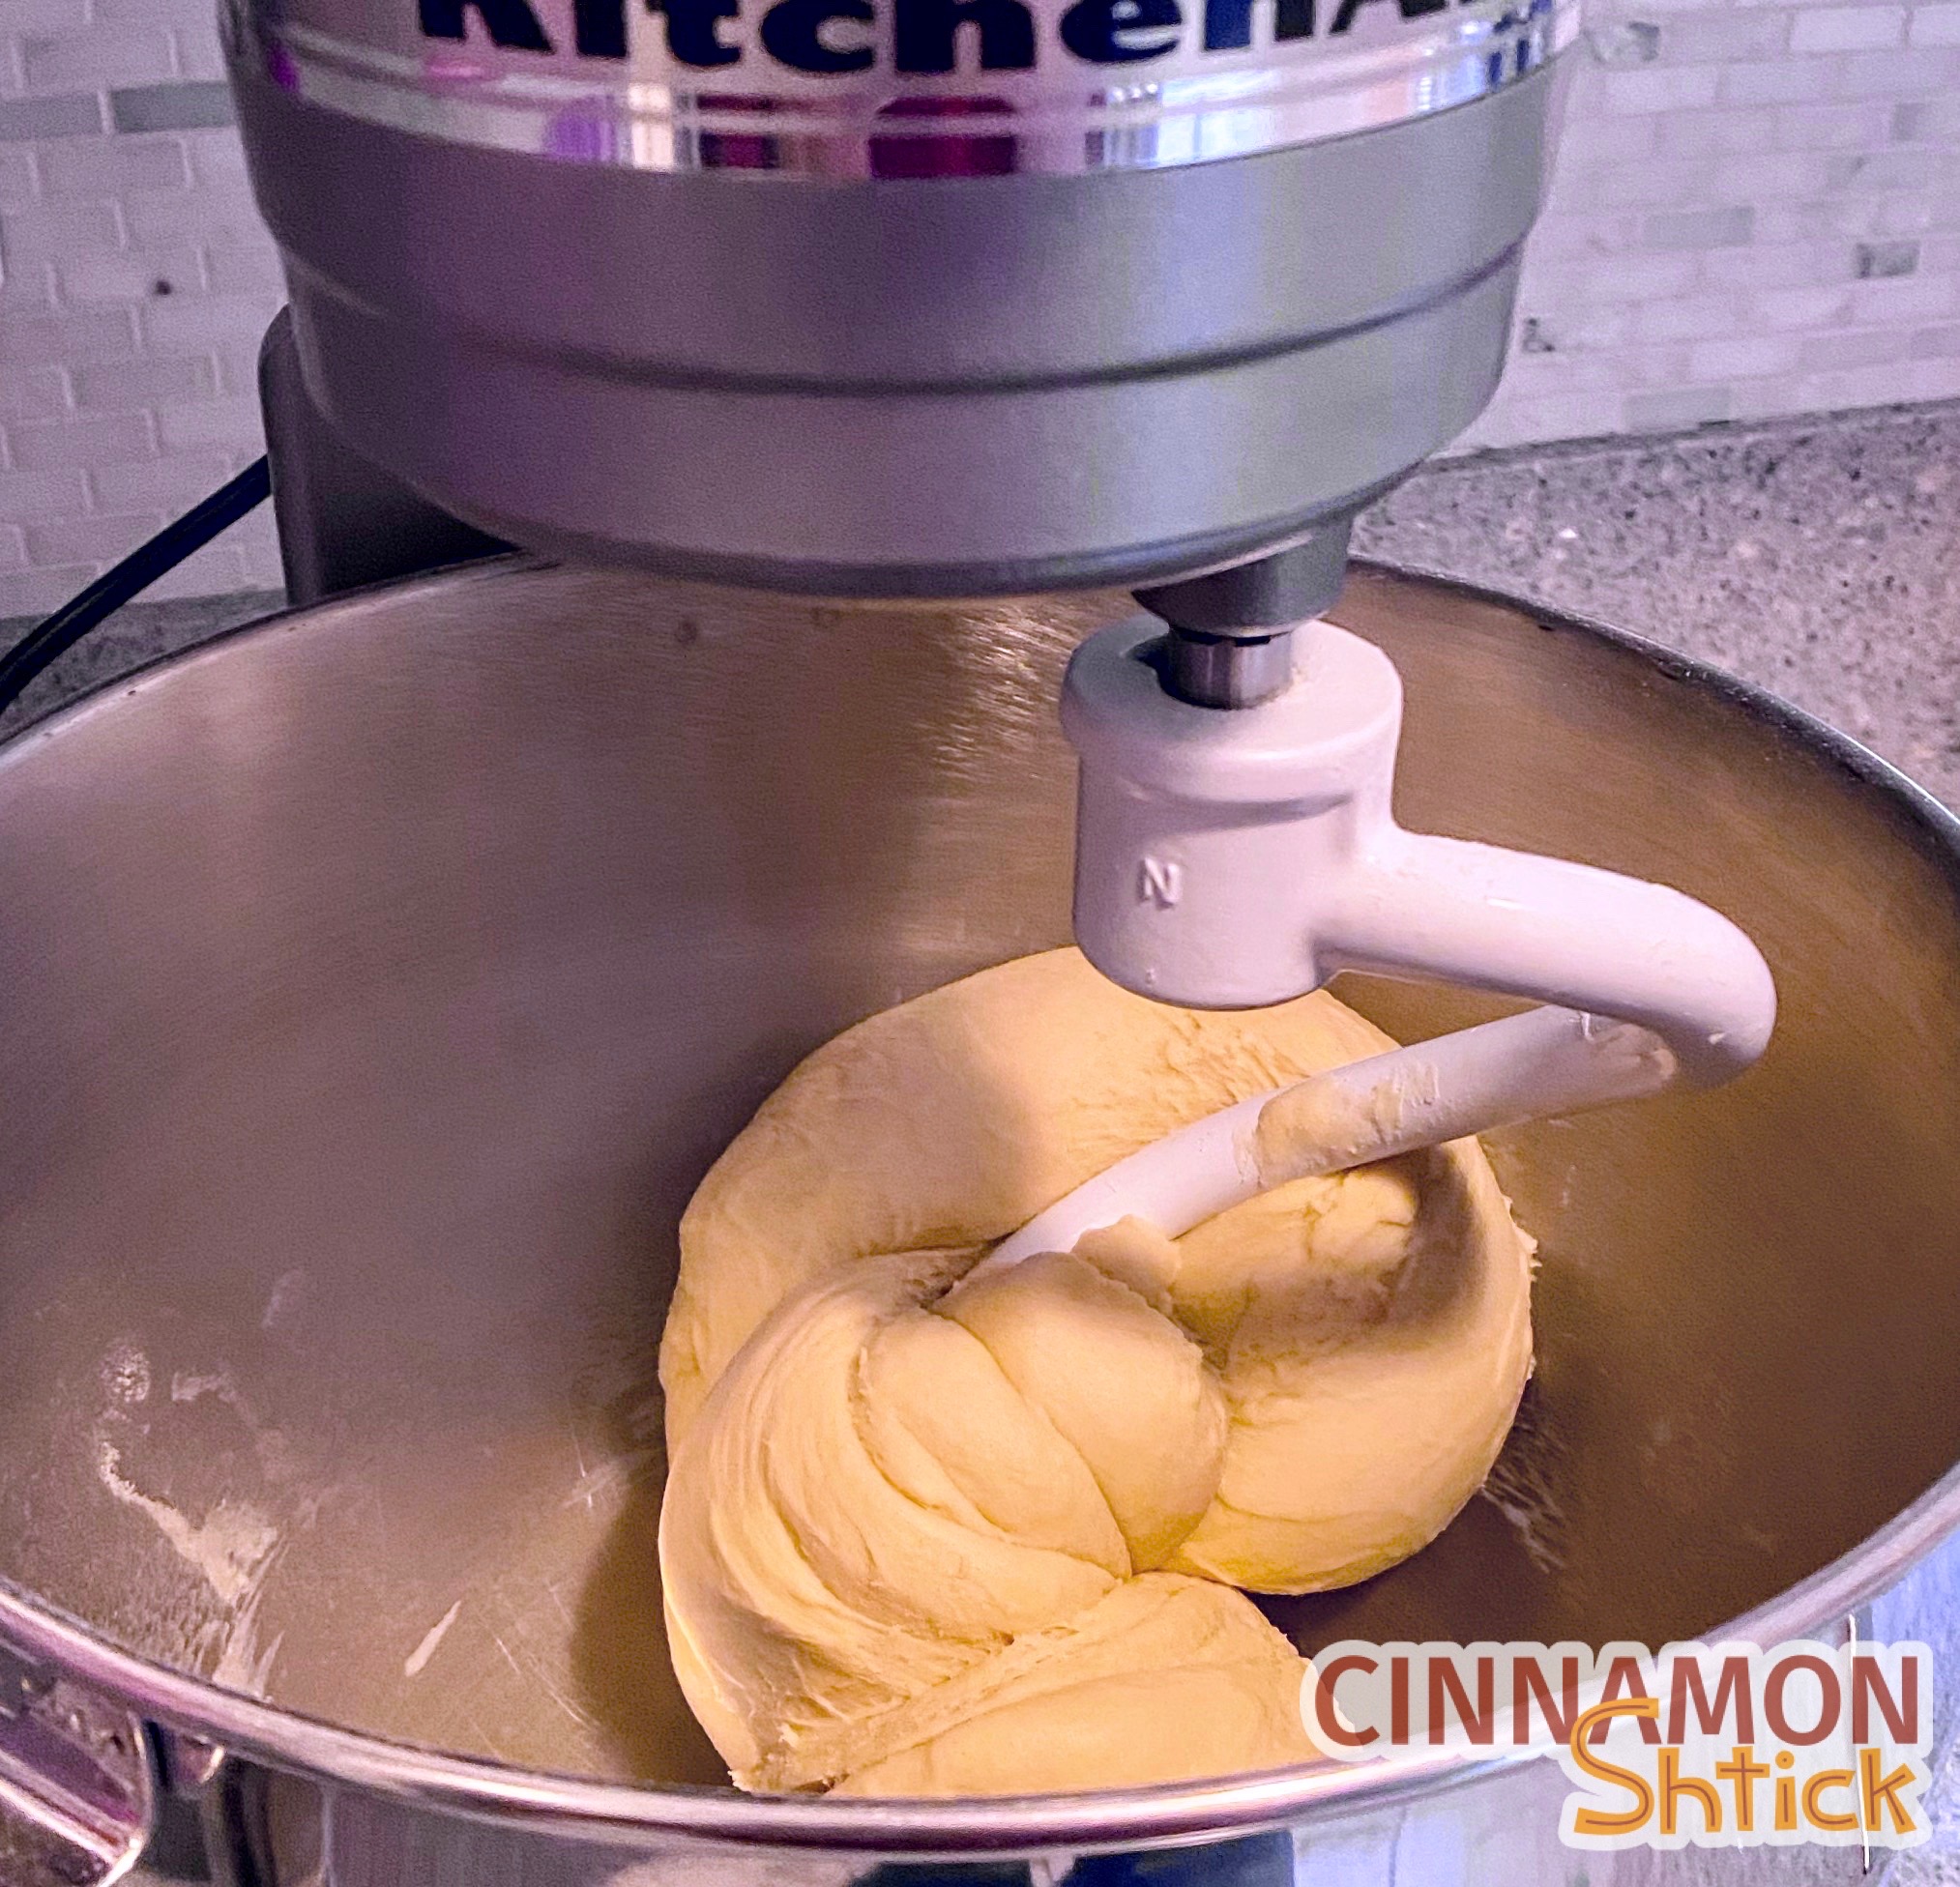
x=904, y=1554
x=925, y=1535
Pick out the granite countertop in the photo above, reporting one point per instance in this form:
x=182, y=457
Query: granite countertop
x=134, y=635
x=1820, y=559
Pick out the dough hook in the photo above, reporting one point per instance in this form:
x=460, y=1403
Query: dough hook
x=1237, y=857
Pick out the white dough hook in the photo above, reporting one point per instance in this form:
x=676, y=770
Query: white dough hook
x=1231, y=859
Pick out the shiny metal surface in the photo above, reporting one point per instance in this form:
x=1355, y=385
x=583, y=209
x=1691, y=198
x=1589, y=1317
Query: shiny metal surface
x=1291, y=586
x=1225, y=671
x=961, y=363
x=376, y=984
x=1163, y=89
x=77, y=1798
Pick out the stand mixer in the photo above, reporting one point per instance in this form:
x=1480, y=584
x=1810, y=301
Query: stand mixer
x=975, y=296
x=379, y=982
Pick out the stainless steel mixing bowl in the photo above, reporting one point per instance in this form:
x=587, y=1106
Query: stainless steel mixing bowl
x=376, y=984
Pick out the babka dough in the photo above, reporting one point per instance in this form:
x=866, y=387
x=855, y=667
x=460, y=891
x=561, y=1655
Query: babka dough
x=929, y=1534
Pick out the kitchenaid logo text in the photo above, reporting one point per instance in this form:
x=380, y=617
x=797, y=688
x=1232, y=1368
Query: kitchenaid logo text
x=1726, y=1746
x=914, y=36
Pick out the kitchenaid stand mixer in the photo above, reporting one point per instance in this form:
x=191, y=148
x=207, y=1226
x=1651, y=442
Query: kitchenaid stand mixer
x=507, y=894
x=974, y=297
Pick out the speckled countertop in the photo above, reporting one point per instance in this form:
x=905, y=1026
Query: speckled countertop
x=1820, y=559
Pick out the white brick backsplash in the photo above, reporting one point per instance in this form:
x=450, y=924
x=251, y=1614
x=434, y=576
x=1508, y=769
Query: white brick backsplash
x=1726, y=172
x=1854, y=347
x=1590, y=331
x=32, y=393
x=1522, y=419
x=52, y=232
x=1913, y=167
x=197, y=54
x=49, y=17
x=35, y=592
x=1735, y=33
x=212, y=218
x=128, y=55
x=90, y=539
x=1686, y=406
x=1620, y=43
x=1913, y=70
x=1863, y=126
x=215, y=570
x=208, y=421
x=1778, y=176
x=1550, y=377
x=172, y=483
x=1645, y=186
x=27, y=497
x=129, y=15
x=1715, y=132
x=238, y=365
x=17, y=181
x=1687, y=317
x=1866, y=386
x=83, y=441
x=1910, y=299
x=217, y=157
x=28, y=290
x=1937, y=24
x=1915, y=212
x=259, y=545
x=185, y=324
x=254, y=271
x=134, y=386
x=1561, y=238
x=1749, y=356
x=1723, y=228
x=1934, y=380
x=1778, y=264
x=127, y=274
x=1843, y=218
x=1877, y=261
x=1927, y=121
x=1774, y=81
x=1799, y=309
x=1592, y=138
x=1847, y=29
x=62, y=339
x=1739, y=275
x=1757, y=399
x=109, y=167
x=1660, y=88
x=1636, y=277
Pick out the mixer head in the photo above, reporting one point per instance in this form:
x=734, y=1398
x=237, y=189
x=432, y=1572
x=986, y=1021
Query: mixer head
x=928, y=298
x=905, y=298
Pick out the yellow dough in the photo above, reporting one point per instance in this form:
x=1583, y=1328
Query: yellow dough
x=926, y=1534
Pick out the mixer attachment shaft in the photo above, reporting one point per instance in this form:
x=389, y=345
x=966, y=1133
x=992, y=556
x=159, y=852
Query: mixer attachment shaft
x=1231, y=856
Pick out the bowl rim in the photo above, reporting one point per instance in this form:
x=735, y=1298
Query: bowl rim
x=628, y=1814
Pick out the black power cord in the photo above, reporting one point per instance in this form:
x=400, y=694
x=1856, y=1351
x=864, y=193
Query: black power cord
x=48, y=641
